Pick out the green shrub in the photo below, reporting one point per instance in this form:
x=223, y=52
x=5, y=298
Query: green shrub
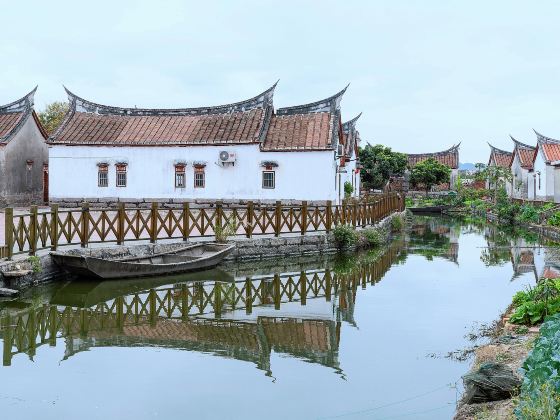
x=397, y=223
x=540, y=391
x=372, y=237
x=528, y=214
x=345, y=236
x=554, y=219
x=534, y=304
x=223, y=233
x=35, y=263
x=348, y=189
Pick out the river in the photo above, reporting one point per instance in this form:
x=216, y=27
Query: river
x=374, y=335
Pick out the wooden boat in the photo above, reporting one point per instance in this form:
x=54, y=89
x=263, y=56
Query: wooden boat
x=430, y=209
x=191, y=258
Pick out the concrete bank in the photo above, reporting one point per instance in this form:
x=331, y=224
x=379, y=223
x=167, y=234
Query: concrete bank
x=42, y=269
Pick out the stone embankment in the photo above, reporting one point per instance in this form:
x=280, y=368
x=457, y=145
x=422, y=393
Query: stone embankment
x=247, y=249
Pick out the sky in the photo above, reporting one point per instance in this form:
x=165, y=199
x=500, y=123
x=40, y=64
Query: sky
x=425, y=74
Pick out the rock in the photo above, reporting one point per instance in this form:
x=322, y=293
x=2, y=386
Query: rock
x=491, y=382
x=8, y=292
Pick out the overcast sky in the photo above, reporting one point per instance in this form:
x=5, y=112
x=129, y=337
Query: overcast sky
x=425, y=74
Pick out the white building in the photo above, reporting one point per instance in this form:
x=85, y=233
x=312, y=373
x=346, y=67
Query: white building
x=245, y=150
x=547, y=168
x=522, y=170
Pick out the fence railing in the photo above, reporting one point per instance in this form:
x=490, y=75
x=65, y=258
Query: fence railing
x=36, y=230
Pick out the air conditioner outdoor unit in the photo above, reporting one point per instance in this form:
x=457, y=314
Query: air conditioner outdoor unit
x=227, y=157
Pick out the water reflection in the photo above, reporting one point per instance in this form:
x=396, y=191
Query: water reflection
x=211, y=312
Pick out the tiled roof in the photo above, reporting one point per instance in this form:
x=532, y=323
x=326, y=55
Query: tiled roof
x=549, y=148
x=500, y=157
x=14, y=115
x=449, y=157
x=299, y=132
x=88, y=123
x=314, y=126
x=525, y=153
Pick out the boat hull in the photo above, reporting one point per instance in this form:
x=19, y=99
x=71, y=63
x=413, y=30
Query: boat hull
x=171, y=263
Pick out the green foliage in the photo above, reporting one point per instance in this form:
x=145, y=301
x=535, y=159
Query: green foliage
x=528, y=214
x=554, y=219
x=429, y=173
x=379, y=164
x=372, y=237
x=345, y=236
x=348, y=189
x=534, y=304
x=540, y=391
x=52, y=116
x=35, y=264
x=505, y=210
x=223, y=233
x=397, y=223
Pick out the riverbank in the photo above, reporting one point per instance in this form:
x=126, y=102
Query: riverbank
x=509, y=345
x=42, y=269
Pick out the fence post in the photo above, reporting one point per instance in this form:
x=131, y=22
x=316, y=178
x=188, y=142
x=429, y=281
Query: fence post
x=9, y=231
x=153, y=222
x=85, y=225
x=54, y=227
x=354, y=214
x=250, y=215
x=328, y=223
x=33, y=230
x=343, y=215
x=278, y=218
x=218, y=215
x=303, y=217
x=186, y=221
x=120, y=223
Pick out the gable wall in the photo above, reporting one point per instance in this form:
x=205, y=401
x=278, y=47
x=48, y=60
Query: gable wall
x=21, y=186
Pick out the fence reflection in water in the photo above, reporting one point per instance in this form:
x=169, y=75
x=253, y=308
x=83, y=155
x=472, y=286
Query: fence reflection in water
x=202, y=316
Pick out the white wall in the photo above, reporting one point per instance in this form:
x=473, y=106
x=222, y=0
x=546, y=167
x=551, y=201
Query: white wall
x=519, y=175
x=151, y=173
x=540, y=190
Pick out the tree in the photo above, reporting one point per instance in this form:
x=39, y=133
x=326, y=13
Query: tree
x=497, y=178
x=52, y=116
x=429, y=173
x=379, y=164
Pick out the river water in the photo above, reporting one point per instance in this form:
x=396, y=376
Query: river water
x=374, y=335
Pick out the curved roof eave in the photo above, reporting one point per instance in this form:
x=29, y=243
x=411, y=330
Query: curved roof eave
x=261, y=100
x=520, y=144
x=544, y=139
x=330, y=104
x=350, y=124
x=21, y=104
x=452, y=149
x=495, y=149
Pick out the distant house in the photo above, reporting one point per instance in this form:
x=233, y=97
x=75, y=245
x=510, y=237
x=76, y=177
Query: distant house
x=449, y=157
x=546, y=169
x=522, y=169
x=23, y=154
x=502, y=159
x=244, y=150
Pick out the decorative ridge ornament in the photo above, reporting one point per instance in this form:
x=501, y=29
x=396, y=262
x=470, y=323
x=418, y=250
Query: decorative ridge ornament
x=262, y=100
x=330, y=104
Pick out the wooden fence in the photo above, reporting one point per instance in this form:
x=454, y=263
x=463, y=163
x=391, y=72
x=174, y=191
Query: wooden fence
x=33, y=231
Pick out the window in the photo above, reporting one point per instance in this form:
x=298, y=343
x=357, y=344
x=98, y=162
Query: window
x=199, y=181
x=103, y=176
x=268, y=179
x=180, y=176
x=121, y=175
